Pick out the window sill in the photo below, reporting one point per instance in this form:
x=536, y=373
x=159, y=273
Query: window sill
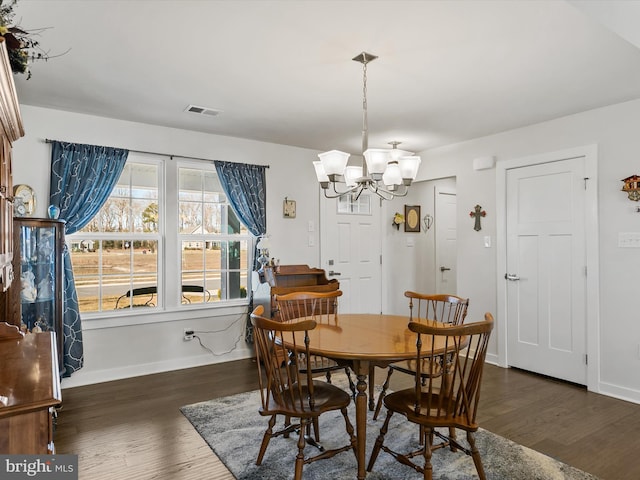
x=142, y=316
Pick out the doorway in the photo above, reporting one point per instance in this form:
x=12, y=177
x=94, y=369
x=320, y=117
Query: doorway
x=351, y=249
x=547, y=264
x=446, y=249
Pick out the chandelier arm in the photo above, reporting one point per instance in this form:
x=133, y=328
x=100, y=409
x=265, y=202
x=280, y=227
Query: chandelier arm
x=387, y=194
x=338, y=193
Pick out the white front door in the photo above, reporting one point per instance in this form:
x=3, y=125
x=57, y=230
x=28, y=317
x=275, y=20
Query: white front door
x=350, y=250
x=546, y=269
x=446, y=238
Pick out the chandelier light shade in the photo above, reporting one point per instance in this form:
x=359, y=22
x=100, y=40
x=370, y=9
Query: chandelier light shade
x=387, y=172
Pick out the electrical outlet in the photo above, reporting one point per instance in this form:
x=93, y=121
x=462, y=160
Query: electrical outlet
x=188, y=334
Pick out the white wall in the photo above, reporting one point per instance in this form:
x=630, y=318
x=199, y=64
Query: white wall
x=410, y=256
x=125, y=351
x=615, y=131
x=114, y=351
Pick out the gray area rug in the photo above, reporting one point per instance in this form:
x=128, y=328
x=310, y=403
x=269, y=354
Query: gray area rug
x=233, y=429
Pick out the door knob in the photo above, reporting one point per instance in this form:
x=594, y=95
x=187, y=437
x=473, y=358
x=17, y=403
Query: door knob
x=331, y=272
x=512, y=277
x=444, y=269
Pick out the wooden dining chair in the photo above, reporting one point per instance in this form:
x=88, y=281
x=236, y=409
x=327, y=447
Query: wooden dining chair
x=285, y=390
x=448, y=400
x=443, y=308
x=323, y=308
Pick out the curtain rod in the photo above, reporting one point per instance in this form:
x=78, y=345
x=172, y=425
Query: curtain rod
x=48, y=140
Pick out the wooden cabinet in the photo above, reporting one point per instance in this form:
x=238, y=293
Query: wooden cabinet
x=292, y=278
x=10, y=131
x=36, y=299
x=29, y=392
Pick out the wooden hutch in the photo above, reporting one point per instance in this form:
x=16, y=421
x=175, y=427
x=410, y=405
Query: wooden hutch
x=29, y=375
x=292, y=278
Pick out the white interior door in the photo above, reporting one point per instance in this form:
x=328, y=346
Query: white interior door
x=446, y=240
x=351, y=249
x=546, y=274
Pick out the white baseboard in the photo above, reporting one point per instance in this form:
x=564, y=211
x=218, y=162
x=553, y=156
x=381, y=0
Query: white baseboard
x=622, y=393
x=82, y=378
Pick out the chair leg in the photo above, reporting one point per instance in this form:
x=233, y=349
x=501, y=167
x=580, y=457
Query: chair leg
x=350, y=430
x=352, y=386
x=300, y=456
x=316, y=429
x=383, y=392
x=379, y=441
x=265, y=439
x=475, y=454
x=372, y=386
x=427, y=439
x=452, y=436
x=287, y=422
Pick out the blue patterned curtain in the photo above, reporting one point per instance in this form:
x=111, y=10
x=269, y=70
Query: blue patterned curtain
x=244, y=186
x=82, y=178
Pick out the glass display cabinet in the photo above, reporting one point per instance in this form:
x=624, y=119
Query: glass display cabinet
x=38, y=247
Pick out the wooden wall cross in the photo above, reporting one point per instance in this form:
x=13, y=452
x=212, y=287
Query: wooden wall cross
x=477, y=213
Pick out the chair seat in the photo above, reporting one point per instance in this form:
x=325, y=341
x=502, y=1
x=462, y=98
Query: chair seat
x=327, y=397
x=403, y=402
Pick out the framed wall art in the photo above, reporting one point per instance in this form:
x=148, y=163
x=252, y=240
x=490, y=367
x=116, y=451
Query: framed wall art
x=412, y=218
x=289, y=208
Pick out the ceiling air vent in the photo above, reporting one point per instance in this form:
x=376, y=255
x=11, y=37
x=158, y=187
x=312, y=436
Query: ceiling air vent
x=212, y=112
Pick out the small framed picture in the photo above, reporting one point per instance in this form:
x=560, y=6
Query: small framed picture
x=289, y=208
x=412, y=218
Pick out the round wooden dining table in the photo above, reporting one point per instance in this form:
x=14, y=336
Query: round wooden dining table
x=363, y=341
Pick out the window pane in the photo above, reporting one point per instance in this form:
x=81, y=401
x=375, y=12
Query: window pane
x=87, y=288
x=144, y=181
x=190, y=217
x=213, y=217
x=106, y=270
x=130, y=207
x=145, y=257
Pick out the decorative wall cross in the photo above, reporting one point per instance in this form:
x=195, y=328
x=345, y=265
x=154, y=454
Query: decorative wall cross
x=477, y=213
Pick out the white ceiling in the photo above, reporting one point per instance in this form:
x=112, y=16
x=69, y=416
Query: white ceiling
x=281, y=71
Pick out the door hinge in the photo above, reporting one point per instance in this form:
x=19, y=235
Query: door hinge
x=585, y=182
x=380, y=259
x=586, y=359
x=585, y=270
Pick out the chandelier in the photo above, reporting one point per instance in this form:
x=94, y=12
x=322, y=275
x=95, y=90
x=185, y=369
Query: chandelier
x=387, y=172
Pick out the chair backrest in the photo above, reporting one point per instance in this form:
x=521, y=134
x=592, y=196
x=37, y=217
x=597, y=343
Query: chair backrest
x=439, y=307
x=283, y=386
x=459, y=352
x=320, y=306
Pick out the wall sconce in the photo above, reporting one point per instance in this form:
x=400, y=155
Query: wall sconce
x=632, y=187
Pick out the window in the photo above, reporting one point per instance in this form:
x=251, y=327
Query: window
x=213, y=242
x=122, y=258
x=354, y=204
x=117, y=251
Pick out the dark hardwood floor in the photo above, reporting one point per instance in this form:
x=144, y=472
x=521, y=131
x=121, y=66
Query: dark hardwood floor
x=133, y=428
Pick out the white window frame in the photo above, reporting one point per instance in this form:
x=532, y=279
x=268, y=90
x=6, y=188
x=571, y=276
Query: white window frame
x=169, y=305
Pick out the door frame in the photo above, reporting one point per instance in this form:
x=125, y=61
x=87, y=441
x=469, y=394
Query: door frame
x=590, y=154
